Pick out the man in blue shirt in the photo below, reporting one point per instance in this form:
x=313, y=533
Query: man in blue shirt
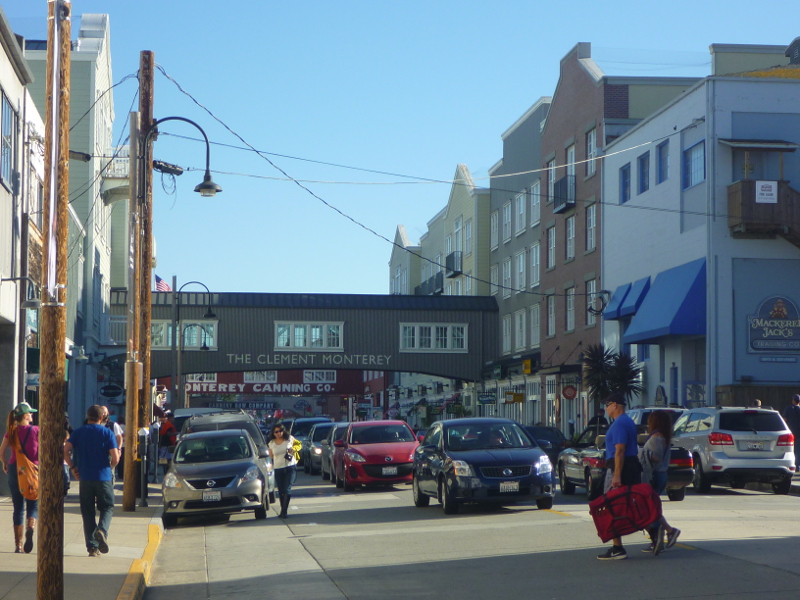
x=94, y=448
x=622, y=459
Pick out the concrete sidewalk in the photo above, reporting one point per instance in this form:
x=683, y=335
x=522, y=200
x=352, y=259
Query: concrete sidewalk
x=103, y=578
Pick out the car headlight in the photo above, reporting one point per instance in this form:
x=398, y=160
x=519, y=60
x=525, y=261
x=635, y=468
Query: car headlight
x=172, y=481
x=251, y=475
x=462, y=469
x=355, y=456
x=544, y=466
x=317, y=450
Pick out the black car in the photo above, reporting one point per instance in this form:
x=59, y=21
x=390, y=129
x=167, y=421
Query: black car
x=300, y=428
x=550, y=439
x=481, y=460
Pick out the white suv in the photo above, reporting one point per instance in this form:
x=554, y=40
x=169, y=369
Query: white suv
x=736, y=446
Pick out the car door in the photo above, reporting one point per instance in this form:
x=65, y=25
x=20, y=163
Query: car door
x=572, y=461
x=426, y=456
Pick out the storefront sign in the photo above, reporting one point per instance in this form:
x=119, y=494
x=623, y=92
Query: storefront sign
x=487, y=398
x=569, y=392
x=766, y=192
x=311, y=359
x=512, y=397
x=775, y=328
x=527, y=367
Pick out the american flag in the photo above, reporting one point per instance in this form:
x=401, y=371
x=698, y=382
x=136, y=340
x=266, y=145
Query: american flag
x=161, y=285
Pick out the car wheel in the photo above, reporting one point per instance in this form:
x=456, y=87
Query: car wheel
x=169, y=520
x=421, y=500
x=676, y=495
x=449, y=506
x=701, y=484
x=544, y=503
x=338, y=482
x=325, y=475
x=567, y=487
x=348, y=487
x=784, y=486
x=261, y=511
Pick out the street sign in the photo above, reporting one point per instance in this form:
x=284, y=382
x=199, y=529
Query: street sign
x=486, y=398
x=569, y=392
x=112, y=390
x=512, y=397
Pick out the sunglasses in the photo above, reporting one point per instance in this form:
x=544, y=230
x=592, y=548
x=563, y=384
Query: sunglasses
x=277, y=431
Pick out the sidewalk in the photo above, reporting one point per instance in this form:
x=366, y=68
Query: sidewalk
x=128, y=540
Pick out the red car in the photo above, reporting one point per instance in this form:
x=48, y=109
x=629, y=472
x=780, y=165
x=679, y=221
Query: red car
x=374, y=452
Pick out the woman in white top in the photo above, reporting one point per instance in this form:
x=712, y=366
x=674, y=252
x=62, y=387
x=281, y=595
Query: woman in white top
x=656, y=454
x=284, y=463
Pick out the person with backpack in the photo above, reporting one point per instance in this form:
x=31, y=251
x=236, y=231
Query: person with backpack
x=791, y=414
x=23, y=472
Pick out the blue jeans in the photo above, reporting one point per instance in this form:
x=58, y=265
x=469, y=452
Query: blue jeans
x=659, y=482
x=21, y=503
x=102, y=494
x=284, y=478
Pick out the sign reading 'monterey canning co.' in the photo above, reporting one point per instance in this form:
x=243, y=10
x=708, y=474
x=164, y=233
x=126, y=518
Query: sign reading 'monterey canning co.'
x=775, y=328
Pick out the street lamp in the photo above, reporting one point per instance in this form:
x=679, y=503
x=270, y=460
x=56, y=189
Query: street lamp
x=31, y=301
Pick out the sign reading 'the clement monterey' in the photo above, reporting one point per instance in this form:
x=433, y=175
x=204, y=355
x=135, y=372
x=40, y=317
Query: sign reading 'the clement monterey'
x=310, y=360
x=775, y=327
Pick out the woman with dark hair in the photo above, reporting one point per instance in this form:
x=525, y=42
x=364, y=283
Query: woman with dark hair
x=656, y=456
x=22, y=436
x=284, y=463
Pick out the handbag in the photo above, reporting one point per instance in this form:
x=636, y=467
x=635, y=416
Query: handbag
x=27, y=470
x=297, y=445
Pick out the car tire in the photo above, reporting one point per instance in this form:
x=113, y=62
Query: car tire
x=544, y=503
x=169, y=520
x=421, y=500
x=676, y=495
x=449, y=505
x=784, y=486
x=261, y=511
x=337, y=482
x=348, y=487
x=567, y=487
x=700, y=483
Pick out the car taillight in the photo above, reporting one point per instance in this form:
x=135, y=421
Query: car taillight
x=787, y=439
x=682, y=462
x=720, y=439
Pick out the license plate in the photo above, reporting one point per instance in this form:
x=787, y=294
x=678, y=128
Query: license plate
x=509, y=486
x=211, y=496
x=389, y=471
x=755, y=445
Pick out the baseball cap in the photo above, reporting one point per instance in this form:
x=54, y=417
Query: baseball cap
x=615, y=397
x=797, y=397
x=23, y=408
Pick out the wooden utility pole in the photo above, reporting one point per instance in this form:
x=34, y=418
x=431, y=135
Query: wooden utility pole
x=53, y=325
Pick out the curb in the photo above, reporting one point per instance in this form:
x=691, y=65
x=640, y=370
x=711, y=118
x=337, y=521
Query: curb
x=139, y=574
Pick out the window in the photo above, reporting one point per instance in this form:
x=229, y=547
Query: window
x=448, y=289
x=457, y=287
x=519, y=330
x=625, y=184
x=551, y=315
x=519, y=272
x=570, y=228
x=643, y=163
x=570, y=309
x=494, y=279
x=507, y=221
x=263, y=376
x=535, y=332
x=458, y=233
x=438, y=266
x=493, y=223
x=570, y=168
x=551, y=180
x=536, y=203
x=551, y=247
x=535, y=264
x=196, y=334
x=519, y=211
x=662, y=162
x=448, y=245
x=643, y=352
x=507, y=277
x=468, y=237
x=591, y=152
x=591, y=227
x=433, y=337
x=201, y=377
x=591, y=292
x=7, y=142
x=694, y=165
x=308, y=336
x=506, y=334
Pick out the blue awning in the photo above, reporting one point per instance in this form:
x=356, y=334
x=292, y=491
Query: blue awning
x=612, y=310
x=675, y=305
x=635, y=297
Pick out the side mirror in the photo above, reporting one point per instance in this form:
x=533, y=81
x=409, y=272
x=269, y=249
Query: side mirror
x=339, y=443
x=263, y=452
x=545, y=444
x=325, y=443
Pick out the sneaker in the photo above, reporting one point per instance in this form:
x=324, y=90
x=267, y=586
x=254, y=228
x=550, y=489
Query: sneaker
x=102, y=542
x=613, y=553
x=649, y=548
x=658, y=543
x=94, y=552
x=673, y=537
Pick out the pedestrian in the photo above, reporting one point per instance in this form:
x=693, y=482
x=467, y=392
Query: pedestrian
x=167, y=438
x=284, y=463
x=598, y=419
x=117, y=430
x=791, y=414
x=95, y=448
x=656, y=456
x=22, y=437
x=622, y=460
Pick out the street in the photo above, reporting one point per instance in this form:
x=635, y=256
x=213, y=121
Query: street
x=735, y=544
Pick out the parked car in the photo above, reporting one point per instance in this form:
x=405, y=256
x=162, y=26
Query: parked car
x=737, y=445
x=217, y=471
x=642, y=414
x=312, y=447
x=337, y=432
x=549, y=439
x=374, y=452
x=180, y=415
x=584, y=463
x=483, y=460
x=300, y=428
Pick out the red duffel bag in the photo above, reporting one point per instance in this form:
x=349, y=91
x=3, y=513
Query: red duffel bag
x=625, y=510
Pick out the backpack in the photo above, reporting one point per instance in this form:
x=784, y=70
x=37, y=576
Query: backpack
x=27, y=470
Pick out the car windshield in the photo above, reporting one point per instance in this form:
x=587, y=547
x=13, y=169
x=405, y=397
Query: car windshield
x=302, y=428
x=550, y=434
x=381, y=434
x=212, y=425
x=321, y=432
x=751, y=421
x=485, y=436
x=212, y=449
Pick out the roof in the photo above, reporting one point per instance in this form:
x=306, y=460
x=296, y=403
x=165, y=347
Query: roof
x=774, y=145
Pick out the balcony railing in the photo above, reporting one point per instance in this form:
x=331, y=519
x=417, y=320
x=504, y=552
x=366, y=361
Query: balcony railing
x=452, y=264
x=436, y=284
x=564, y=194
x=748, y=218
x=115, y=331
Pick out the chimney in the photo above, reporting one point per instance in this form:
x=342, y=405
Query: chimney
x=793, y=52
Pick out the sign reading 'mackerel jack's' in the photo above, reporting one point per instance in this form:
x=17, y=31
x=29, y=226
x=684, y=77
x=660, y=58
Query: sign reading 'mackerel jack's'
x=775, y=327
x=311, y=359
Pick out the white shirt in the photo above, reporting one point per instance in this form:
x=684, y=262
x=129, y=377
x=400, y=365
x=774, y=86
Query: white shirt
x=279, y=453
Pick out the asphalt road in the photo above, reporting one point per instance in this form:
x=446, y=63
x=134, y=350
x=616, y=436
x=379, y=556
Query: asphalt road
x=374, y=544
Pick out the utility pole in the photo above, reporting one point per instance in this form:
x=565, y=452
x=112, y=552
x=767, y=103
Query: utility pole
x=53, y=326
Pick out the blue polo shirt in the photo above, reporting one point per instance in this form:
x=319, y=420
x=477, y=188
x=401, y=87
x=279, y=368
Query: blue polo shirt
x=622, y=431
x=90, y=446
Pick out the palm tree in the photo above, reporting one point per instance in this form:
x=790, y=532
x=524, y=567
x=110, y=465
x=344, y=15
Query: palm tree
x=625, y=376
x=606, y=372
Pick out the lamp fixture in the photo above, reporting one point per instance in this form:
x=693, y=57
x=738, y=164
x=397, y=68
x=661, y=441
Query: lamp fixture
x=78, y=353
x=31, y=302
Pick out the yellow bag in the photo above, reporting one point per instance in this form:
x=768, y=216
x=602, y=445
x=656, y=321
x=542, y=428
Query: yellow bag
x=297, y=445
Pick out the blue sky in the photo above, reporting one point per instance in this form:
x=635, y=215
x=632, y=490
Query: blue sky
x=410, y=88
